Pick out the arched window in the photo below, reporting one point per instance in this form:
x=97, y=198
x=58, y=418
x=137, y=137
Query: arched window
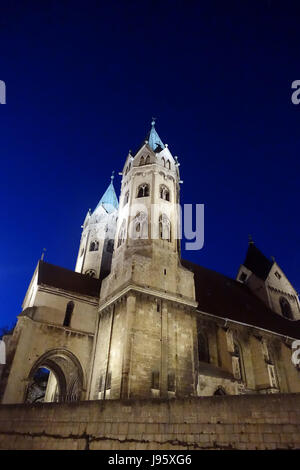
x=163, y=161
x=110, y=246
x=94, y=245
x=164, y=227
x=285, y=308
x=122, y=233
x=68, y=314
x=147, y=162
x=203, y=351
x=143, y=190
x=164, y=193
x=142, y=161
x=140, y=226
x=90, y=272
x=126, y=198
x=168, y=165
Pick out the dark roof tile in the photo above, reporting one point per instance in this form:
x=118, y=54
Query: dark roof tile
x=226, y=298
x=68, y=280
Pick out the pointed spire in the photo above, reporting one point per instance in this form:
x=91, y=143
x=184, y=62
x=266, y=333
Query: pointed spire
x=154, y=140
x=250, y=240
x=257, y=262
x=109, y=200
x=43, y=254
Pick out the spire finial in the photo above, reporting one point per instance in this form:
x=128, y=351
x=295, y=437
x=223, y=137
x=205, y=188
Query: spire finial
x=43, y=254
x=153, y=121
x=250, y=240
x=112, y=176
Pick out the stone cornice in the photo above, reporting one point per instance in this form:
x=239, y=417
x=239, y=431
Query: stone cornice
x=148, y=291
x=67, y=294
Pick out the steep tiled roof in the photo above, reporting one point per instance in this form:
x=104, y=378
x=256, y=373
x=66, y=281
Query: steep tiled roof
x=226, y=298
x=62, y=278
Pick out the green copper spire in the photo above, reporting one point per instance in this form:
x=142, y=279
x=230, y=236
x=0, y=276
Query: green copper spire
x=109, y=200
x=154, y=140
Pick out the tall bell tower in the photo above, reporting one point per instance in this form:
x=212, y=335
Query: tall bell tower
x=142, y=325
x=147, y=241
x=97, y=238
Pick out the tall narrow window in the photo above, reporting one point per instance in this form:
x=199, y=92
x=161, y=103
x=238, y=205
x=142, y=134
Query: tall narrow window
x=110, y=246
x=142, y=161
x=164, y=227
x=163, y=161
x=155, y=380
x=68, y=314
x=237, y=366
x=203, y=351
x=164, y=193
x=94, y=245
x=171, y=382
x=147, y=162
x=285, y=308
x=140, y=226
x=168, y=165
x=122, y=233
x=126, y=198
x=143, y=190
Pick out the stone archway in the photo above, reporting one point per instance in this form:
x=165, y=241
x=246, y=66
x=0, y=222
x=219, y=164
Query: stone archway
x=67, y=371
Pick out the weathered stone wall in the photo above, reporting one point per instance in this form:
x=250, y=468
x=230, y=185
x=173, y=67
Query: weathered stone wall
x=229, y=422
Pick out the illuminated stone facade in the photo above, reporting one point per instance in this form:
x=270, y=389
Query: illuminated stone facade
x=137, y=321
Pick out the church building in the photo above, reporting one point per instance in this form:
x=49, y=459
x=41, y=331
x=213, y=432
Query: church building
x=135, y=320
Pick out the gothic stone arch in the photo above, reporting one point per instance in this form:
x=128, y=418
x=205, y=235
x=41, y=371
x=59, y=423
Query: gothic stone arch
x=67, y=370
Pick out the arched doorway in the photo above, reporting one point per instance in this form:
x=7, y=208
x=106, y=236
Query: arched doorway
x=56, y=376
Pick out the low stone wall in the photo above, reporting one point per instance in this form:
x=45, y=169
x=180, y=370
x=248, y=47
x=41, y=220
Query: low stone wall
x=223, y=422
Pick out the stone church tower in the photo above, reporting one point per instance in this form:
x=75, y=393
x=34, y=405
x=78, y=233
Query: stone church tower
x=97, y=239
x=147, y=288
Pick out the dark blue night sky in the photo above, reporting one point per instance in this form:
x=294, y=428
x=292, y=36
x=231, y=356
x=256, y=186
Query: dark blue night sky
x=83, y=82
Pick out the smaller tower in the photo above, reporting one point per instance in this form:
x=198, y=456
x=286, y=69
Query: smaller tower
x=265, y=278
x=97, y=238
